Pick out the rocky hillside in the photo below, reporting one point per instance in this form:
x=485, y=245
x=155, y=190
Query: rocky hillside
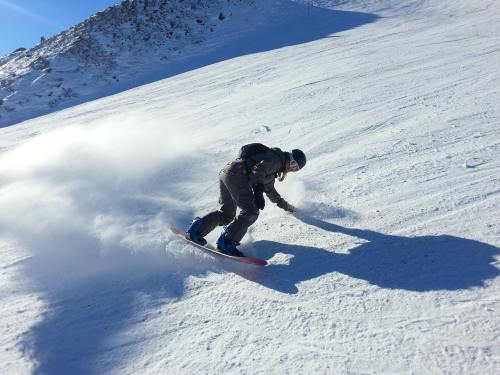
x=102, y=54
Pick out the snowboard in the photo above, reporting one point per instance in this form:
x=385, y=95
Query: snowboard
x=213, y=251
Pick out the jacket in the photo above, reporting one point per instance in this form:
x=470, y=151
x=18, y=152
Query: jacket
x=264, y=169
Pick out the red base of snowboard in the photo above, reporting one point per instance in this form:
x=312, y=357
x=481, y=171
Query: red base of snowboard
x=212, y=250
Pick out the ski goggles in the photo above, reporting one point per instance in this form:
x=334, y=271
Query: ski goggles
x=294, y=166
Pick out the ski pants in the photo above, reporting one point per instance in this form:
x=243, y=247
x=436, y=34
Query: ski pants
x=235, y=191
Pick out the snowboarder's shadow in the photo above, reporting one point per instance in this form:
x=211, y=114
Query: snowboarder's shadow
x=426, y=263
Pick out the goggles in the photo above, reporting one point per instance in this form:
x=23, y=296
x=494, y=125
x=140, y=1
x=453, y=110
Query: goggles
x=294, y=166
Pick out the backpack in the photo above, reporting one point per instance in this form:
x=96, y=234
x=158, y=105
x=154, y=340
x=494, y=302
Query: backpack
x=251, y=150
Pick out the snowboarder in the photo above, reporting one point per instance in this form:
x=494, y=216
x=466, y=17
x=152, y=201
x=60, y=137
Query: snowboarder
x=243, y=183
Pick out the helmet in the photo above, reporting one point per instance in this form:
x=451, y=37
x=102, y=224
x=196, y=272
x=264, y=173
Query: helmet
x=299, y=157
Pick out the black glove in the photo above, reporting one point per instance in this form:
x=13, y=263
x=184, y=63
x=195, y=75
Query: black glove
x=286, y=206
x=258, y=196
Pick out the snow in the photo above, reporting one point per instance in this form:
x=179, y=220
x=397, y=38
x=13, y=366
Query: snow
x=129, y=44
x=391, y=264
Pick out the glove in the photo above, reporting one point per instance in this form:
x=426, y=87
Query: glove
x=258, y=196
x=286, y=206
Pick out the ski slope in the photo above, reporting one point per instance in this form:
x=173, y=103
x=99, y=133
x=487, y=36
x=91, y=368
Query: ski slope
x=390, y=266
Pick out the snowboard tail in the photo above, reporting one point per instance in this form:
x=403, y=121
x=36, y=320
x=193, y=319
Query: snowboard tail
x=213, y=251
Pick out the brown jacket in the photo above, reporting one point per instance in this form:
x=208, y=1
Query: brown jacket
x=262, y=169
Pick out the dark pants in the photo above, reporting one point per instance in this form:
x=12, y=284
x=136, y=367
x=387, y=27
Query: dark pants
x=235, y=191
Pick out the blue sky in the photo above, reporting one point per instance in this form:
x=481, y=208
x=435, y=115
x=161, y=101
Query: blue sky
x=23, y=22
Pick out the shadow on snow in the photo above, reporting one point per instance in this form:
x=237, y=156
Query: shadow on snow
x=420, y=264
x=89, y=327
x=299, y=26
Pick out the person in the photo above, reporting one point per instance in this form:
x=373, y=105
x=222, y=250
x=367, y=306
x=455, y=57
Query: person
x=243, y=183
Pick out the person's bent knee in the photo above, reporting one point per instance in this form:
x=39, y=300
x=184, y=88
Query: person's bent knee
x=250, y=216
x=255, y=217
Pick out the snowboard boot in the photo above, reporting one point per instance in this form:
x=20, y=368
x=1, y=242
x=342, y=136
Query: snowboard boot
x=193, y=234
x=228, y=248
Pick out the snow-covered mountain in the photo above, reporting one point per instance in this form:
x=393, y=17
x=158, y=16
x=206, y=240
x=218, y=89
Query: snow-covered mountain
x=130, y=42
x=391, y=264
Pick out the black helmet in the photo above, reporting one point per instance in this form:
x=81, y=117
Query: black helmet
x=299, y=157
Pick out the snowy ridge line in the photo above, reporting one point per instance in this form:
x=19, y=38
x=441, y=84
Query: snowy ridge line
x=107, y=50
